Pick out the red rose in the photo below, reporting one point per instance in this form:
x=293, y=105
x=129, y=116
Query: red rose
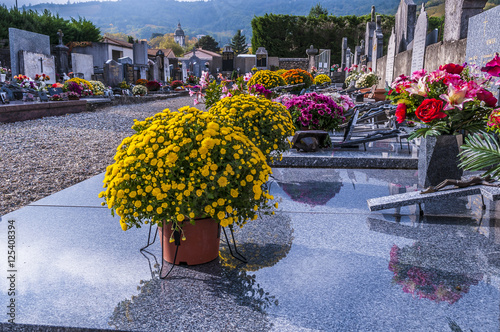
x=401, y=112
x=430, y=109
x=487, y=97
x=493, y=67
x=452, y=68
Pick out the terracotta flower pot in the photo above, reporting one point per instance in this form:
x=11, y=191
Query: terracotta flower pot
x=201, y=244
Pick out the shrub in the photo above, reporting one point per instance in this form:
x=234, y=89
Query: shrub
x=153, y=86
x=321, y=79
x=269, y=79
x=297, y=76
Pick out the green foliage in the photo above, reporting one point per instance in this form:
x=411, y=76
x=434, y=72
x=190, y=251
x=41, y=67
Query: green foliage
x=318, y=10
x=46, y=23
x=208, y=43
x=239, y=43
x=481, y=151
x=289, y=36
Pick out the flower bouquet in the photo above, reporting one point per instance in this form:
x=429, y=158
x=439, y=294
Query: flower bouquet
x=73, y=95
x=42, y=78
x=56, y=97
x=182, y=165
x=315, y=111
x=98, y=87
x=449, y=100
x=176, y=84
x=141, y=81
x=366, y=80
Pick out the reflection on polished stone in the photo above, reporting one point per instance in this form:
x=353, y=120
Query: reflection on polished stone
x=323, y=264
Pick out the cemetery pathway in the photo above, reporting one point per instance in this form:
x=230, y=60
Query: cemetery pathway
x=41, y=157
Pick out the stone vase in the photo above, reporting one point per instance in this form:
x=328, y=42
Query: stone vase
x=438, y=159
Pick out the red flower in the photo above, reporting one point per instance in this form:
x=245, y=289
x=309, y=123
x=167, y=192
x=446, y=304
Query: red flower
x=487, y=97
x=452, y=68
x=429, y=110
x=493, y=67
x=401, y=112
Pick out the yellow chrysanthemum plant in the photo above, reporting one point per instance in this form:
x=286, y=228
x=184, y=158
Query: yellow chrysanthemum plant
x=298, y=76
x=183, y=165
x=322, y=79
x=266, y=123
x=269, y=79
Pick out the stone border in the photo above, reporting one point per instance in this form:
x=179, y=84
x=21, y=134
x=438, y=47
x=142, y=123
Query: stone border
x=22, y=112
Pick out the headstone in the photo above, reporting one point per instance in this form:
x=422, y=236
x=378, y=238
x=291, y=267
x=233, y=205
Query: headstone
x=140, y=53
x=483, y=37
x=432, y=37
x=125, y=60
x=21, y=40
x=128, y=69
x=378, y=43
x=357, y=54
x=227, y=58
x=348, y=58
x=405, y=19
x=363, y=60
x=54, y=91
x=457, y=14
x=370, y=28
x=61, y=54
x=391, y=53
x=113, y=73
x=418, y=55
x=343, y=64
x=261, y=58
x=83, y=63
x=154, y=68
x=31, y=64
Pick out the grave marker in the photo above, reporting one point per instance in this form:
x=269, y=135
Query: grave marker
x=391, y=53
x=419, y=42
x=113, y=73
x=483, y=37
x=406, y=17
x=370, y=29
x=261, y=58
x=83, y=63
x=31, y=64
x=21, y=40
x=457, y=14
x=227, y=59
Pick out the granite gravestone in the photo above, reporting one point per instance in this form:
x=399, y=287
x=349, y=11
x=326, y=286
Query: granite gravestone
x=377, y=40
x=391, y=53
x=418, y=55
x=432, y=37
x=348, y=58
x=113, y=73
x=261, y=58
x=483, y=39
x=343, y=64
x=370, y=28
x=61, y=53
x=128, y=69
x=457, y=14
x=405, y=19
x=83, y=63
x=31, y=64
x=21, y=40
x=357, y=54
x=227, y=59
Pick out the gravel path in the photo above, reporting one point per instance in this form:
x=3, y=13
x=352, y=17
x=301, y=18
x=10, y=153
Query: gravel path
x=41, y=157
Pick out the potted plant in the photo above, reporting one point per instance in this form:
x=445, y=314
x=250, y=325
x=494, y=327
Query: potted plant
x=269, y=79
x=139, y=90
x=153, y=85
x=266, y=123
x=298, y=76
x=315, y=111
x=322, y=79
x=445, y=103
x=3, y=74
x=186, y=172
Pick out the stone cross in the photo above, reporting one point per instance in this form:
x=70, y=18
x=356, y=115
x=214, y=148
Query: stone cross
x=60, y=34
x=41, y=64
x=373, y=14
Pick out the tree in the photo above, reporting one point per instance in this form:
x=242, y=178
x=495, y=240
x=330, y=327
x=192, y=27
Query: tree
x=208, y=43
x=239, y=43
x=167, y=41
x=318, y=10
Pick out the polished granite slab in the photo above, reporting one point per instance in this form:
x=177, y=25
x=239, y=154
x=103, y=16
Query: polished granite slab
x=324, y=262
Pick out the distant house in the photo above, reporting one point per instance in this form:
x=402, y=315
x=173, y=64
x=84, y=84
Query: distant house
x=208, y=59
x=108, y=48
